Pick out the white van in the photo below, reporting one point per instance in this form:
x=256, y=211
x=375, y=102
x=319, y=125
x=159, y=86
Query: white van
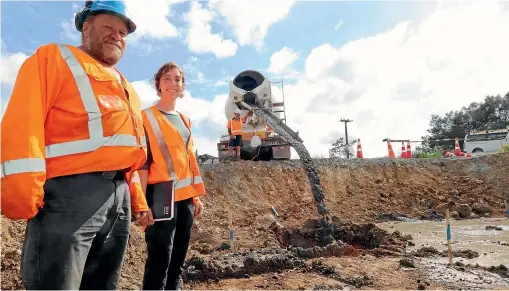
x=486, y=141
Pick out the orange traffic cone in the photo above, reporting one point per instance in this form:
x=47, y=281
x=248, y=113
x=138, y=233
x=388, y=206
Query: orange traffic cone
x=408, y=150
x=403, y=150
x=359, y=149
x=389, y=148
x=457, y=150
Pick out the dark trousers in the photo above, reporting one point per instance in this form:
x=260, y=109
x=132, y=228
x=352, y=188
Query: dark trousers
x=167, y=245
x=79, y=238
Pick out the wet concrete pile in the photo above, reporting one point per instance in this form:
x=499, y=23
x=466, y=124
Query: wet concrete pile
x=240, y=264
x=305, y=158
x=329, y=271
x=364, y=236
x=317, y=239
x=256, y=262
x=426, y=252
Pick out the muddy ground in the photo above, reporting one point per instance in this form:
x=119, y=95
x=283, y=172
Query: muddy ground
x=293, y=250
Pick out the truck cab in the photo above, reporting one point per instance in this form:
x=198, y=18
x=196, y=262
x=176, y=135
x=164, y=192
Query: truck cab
x=486, y=141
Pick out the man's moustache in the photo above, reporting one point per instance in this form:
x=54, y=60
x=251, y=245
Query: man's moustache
x=115, y=44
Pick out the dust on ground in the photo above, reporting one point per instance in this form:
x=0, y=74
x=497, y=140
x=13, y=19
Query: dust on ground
x=358, y=192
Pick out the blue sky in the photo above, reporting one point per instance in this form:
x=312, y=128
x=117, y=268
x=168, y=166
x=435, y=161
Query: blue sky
x=323, y=60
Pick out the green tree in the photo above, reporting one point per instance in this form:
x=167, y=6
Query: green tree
x=340, y=149
x=492, y=113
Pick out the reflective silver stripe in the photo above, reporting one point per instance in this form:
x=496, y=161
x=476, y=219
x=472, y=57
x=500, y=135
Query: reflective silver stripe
x=88, y=145
x=188, y=182
x=162, y=145
x=22, y=166
x=198, y=180
x=95, y=129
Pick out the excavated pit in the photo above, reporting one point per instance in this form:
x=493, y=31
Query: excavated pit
x=316, y=239
x=305, y=158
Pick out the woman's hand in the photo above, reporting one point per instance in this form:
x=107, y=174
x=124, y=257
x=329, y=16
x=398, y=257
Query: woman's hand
x=144, y=218
x=198, y=208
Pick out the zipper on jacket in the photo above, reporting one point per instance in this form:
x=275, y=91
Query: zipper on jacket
x=187, y=155
x=133, y=116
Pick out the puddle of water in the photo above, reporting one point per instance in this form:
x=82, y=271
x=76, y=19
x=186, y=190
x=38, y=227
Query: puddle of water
x=465, y=235
x=450, y=277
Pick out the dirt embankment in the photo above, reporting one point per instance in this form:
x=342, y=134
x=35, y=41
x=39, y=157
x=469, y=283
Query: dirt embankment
x=356, y=191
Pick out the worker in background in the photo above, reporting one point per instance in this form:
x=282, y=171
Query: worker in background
x=171, y=163
x=235, y=132
x=72, y=139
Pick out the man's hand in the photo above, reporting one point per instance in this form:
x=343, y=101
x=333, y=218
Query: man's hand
x=143, y=218
x=198, y=208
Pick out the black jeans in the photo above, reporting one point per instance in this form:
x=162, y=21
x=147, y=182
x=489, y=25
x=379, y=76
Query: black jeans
x=79, y=238
x=167, y=245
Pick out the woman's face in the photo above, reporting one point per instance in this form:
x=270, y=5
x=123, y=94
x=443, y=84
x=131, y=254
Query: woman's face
x=171, y=84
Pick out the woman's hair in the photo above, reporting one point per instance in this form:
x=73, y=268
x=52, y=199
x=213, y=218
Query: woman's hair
x=163, y=70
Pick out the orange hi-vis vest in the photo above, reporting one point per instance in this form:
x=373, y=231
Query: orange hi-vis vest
x=235, y=126
x=173, y=160
x=67, y=115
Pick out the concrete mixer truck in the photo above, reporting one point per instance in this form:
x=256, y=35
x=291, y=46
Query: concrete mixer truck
x=252, y=93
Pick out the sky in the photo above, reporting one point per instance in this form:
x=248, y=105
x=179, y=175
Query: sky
x=385, y=65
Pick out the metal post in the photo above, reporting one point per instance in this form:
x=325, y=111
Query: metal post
x=345, y=121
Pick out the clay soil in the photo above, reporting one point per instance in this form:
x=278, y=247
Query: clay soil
x=357, y=192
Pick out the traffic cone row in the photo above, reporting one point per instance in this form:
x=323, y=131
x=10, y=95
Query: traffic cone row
x=406, y=152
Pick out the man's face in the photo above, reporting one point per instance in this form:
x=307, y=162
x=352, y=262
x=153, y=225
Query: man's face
x=105, y=38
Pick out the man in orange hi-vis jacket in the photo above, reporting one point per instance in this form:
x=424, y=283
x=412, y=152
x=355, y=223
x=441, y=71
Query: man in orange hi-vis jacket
x=72, y=141
x=235, y=131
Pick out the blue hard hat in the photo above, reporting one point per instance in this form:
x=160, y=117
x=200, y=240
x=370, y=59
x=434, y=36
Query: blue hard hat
x=115, y=8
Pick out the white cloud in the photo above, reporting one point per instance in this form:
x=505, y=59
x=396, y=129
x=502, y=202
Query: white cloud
x=152, y=20
x=69, y=28
x=200, y=38
x=222, y=82
x=281, y=60
x=391, y=83
x=251, y=20
x=11, y=62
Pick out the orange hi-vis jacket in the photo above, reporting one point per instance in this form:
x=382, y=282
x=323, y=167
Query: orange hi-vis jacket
x=67, y=115
x=235, y=126
x=173, y=160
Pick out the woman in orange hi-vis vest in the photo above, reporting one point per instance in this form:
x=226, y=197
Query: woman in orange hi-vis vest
x=72, y=140
x=171, y=164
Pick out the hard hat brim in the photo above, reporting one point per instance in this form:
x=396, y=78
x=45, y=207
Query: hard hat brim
x=131, y=27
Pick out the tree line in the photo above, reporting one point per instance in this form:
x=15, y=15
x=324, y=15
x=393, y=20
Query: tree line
x=492, y=113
